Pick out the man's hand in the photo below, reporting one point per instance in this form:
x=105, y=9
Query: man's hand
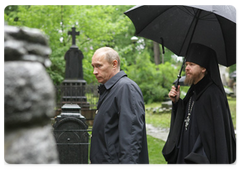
x=173, y=94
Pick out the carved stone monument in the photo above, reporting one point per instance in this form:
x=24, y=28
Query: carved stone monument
x=29, y=98
x=74, y=82
x=73, y=59
x=74, y=86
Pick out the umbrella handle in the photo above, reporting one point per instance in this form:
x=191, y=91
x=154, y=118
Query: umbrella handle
x=163, y=51
x=177, y=82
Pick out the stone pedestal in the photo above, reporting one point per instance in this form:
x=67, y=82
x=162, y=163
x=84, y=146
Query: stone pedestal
x=70, y=131
x=73, y=59
x=74, y=91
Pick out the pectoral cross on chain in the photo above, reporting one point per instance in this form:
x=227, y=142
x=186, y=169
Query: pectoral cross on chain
x=73, y=33
x=187, y=121
x=190, y=107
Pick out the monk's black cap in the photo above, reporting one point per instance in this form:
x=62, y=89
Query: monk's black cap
x=200, y=54
x=207, y=58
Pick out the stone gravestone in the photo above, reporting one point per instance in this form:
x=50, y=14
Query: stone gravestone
x=29, y=98
x=74, y=82
x=74, y=85
x=70, y=128
x=73, y=59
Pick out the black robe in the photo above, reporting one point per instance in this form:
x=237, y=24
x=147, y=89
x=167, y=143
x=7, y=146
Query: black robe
x=210, y=136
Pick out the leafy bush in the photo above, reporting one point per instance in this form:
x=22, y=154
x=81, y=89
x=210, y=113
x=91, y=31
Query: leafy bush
x=154, y=81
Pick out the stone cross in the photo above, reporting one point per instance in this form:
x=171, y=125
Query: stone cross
x=73, y=33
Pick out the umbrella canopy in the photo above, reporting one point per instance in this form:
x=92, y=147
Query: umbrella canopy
x=178, y=26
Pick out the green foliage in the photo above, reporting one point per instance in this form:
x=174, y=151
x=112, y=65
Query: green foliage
x=232, y=68
x=98, y=26
x=154, y=81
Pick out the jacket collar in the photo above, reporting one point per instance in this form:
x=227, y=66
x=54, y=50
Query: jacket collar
x=114, y=79
x=111, y=82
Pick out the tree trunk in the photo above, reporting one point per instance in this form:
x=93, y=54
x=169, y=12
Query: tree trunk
x=156, y=50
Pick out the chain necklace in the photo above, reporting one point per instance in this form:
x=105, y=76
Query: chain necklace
x=187, y=120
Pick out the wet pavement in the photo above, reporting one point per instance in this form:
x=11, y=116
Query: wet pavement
x=157, y=132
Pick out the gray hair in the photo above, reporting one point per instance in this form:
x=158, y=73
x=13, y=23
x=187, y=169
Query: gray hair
x=110, y=54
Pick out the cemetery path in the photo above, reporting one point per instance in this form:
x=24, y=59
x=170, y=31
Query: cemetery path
x=157, y=132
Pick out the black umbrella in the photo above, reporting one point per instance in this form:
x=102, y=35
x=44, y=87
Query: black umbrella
x=179, y=26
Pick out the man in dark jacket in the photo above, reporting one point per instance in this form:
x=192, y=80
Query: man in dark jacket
x=119, y=131
x=201, y=129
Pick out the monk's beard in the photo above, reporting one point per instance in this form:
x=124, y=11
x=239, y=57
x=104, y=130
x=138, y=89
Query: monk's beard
x=191, y=79
x=188, y=81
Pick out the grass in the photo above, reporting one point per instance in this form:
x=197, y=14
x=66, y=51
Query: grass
x=163, y=120
x=158, y=120
x=155, y=119
x=233, y=108
x=155, y=150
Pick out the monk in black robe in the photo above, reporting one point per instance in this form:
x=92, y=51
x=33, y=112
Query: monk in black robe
x=201, y=129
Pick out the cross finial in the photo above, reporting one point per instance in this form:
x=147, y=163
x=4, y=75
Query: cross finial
x=73, y=33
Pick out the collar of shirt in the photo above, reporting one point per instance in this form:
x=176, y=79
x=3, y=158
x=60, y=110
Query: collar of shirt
x=101, y=89
x=111, y=82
